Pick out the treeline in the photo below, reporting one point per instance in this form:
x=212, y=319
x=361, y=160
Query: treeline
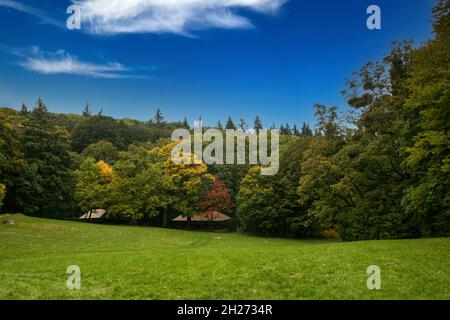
x=380, y=171
x=54, y=165
x=285, y=129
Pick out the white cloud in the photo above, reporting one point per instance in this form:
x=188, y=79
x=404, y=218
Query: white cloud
x=61, y=62
x=41, y=15
x=169, y=16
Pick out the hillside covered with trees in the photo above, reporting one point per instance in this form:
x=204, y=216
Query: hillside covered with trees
x=379, y=171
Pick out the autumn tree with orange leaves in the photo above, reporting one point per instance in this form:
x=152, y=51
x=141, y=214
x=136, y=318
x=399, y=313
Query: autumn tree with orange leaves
x=216, y=199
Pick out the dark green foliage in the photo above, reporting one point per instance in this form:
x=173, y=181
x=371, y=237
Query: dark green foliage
x=121, y=133
x=12, y=164
x=428, y=196
x=48, y=190
x=186, y=124
x=97, y=128
x=306, y=130
x=67, y=121
x=230, y=124
x=159, y=118
x=231, y=177
x=285, y=129
x=102, y=150
x=270, y=204
x=258, y=124
x=256, y=209
x=87, y=110
x=385, y=176
x=24, y=110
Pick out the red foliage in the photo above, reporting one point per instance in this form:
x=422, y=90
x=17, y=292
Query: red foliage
x=216, y=199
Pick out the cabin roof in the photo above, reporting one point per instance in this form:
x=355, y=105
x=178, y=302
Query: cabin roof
x=93, y=214
x=205, y=216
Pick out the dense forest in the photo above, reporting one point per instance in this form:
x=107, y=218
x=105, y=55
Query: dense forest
x=381, y=170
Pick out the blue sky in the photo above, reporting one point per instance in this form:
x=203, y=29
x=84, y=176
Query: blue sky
x=238, y=58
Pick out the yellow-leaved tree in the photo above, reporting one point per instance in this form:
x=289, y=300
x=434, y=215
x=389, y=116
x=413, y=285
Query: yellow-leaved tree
x=188, y=183
x=94, y=181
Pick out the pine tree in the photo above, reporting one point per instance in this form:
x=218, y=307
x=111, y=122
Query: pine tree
x=285, y=130
x=258, y=124
x=47, y=153
x=199, y=123
x=230, y=124
x=219, y=125
x=306, y=130
x=40, y=112
x=24, y=110
x=159, y=118
x=186, y=124
x=243, y=125
x=87, y=110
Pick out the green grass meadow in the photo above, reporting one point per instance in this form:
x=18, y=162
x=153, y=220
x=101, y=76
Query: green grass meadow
x=120, y=262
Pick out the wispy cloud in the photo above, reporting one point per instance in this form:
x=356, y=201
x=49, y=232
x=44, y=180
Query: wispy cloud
x=61, y=62
x=156, y=16
x=169, y=16
x=40, y=14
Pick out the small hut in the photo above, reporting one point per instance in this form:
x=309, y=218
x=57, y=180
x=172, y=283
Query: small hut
x=205, y=219
x=97, y=214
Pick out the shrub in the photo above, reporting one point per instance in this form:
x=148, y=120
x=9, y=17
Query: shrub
x=330, y=234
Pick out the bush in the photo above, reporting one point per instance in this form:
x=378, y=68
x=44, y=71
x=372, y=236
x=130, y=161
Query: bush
x=330, y=234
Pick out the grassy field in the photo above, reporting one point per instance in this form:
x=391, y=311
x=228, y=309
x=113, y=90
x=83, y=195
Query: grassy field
x=147, y=263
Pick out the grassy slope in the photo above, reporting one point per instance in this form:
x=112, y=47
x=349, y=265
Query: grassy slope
x=147, y=263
